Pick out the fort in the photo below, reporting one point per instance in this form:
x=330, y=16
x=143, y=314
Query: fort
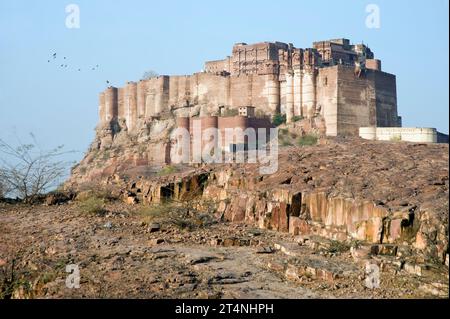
x=335, y=86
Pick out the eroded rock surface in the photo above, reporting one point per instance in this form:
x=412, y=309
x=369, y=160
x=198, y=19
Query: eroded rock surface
x=343, y=189
x=125, y=260
x=308, y=231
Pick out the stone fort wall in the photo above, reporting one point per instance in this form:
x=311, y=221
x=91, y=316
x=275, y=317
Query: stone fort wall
x=342, y=83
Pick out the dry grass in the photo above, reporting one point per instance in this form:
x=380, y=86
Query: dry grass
x=92, y=205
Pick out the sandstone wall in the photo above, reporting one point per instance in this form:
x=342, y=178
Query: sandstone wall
x=386, y=99
x=273, y=77
x=219, y=66
x=356, y=99
x=327, y=98
x=156, y=96
x=373, y=64
x=222, y=124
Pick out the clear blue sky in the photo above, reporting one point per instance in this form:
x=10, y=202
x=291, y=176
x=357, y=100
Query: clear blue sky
x=127, y=37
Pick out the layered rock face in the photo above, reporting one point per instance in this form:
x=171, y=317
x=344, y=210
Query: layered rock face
x=390, y=194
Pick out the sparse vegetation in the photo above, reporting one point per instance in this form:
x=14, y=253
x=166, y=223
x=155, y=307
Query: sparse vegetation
x=338, y=247
x=11, y=279
x=92, y=205
x=284, y=138
x=28, y=171
x=155, y=212
x=106, y=155
x=47, y=277
x=189, y=214
x=308, y=140
x=106, y=193
x=167, y=170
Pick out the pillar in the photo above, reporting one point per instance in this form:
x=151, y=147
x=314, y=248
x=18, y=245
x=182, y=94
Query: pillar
x=289, y=97
x=111, y=103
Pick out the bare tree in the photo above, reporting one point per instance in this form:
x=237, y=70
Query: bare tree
x=149, y=75
x=28, y=171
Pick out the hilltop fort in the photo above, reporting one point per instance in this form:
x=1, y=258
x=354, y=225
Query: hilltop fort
x=337, y=86
x=333, y=89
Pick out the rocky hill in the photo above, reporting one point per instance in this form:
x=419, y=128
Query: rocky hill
x=343, y=189
x=225, y=231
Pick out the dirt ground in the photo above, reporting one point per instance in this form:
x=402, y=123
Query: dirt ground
x=125, y=252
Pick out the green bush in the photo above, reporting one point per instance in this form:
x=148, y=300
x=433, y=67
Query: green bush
x=285, y=142
x=154, y=212
x=92, y=205
x=279, y=119
x=308, y=140
x=297, y=118
x=284, y=138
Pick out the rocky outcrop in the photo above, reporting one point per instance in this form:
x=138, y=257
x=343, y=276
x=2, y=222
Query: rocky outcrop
x=116, y=150
x=376, y=193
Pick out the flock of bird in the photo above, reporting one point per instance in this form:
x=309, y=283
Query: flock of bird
x=64, y=65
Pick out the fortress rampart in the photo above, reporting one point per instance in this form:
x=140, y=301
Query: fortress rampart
x=341, y=82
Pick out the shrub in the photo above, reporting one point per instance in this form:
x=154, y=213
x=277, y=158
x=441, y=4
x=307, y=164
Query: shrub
x=284, y=138
x=279, y=119
x=396, y=138
x=92, y=205
x=107, y=193
x=297, y=118
x=308, y=140
x=151, y=213
x=338, y=247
